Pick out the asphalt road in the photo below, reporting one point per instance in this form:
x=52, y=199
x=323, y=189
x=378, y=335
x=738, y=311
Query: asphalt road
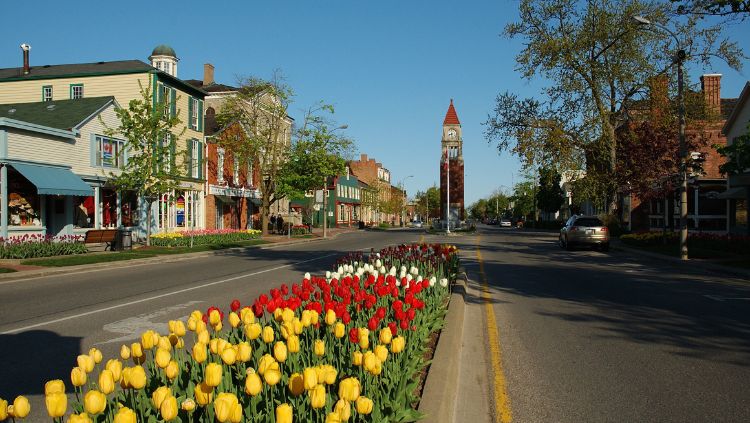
x=46, y=322
x=587, y=336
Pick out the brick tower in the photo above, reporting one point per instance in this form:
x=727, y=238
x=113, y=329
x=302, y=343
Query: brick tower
x=452, y=151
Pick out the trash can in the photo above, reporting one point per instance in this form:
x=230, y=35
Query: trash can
x=124, y=240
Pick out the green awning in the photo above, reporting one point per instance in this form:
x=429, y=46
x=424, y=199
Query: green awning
x=51, y=180
x=225, y=199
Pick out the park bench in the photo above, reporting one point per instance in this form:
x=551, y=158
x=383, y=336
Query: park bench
x=98, y=236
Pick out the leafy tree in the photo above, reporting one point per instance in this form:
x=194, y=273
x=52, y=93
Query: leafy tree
x=428, y=202
x=550, y=196
x=523, y=199
x=739, y=8
x=148, y=129
x=597, y=61
x=478, y=210
x=738, y=154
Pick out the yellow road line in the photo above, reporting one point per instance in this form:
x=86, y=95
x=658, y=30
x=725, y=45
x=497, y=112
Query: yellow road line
x=502, y=401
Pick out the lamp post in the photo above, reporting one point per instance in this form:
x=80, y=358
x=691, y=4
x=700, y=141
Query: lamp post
x=678, y=59
x=325, y=193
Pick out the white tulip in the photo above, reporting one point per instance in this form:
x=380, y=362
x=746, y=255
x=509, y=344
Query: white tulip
x=328, y=274
x=307, y=275
x=433, y=281
x=443, y=282
x=378, y=263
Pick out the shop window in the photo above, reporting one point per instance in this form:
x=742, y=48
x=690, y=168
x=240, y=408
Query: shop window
x=129, y=201
x=23, y=201
x=163, y=222
x=84, y=212
x=109, y=152
x=341, y=212
x=179, y=207
x=109, y=208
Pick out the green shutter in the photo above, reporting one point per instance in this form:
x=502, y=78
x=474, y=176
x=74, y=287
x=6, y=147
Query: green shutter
x=92, y=151
x=189, y=162
x=159, y=94
x=200, y=160
x=190, y=113
x=173, y=102
x=154, y=90
x=200, y=115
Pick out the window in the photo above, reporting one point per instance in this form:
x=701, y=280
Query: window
x=236, y=171
x=249, y=177
x=165, y=96
x=47, y=93
x=109, y=152
x=167, y=150
x=194, y=113
x=76, y=91
x=129, y=206
x=195, y=158
x=220, y=166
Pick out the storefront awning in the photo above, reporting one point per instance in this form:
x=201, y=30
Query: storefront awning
x=224, y=199
x=51, y=180
x=737, y=193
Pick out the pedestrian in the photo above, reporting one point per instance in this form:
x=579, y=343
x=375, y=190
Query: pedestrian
x=272, y=224
x=280, y=224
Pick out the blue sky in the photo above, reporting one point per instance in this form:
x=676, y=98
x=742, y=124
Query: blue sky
x=389, y=67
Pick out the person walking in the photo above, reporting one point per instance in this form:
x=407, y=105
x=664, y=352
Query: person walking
x=272, y=223
x=280, y=224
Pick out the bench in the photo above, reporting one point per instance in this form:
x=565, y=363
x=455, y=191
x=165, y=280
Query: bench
x=97, y=236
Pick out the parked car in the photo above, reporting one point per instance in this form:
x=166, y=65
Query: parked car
x=584, y=230
x=416, y=224
x=505, y=223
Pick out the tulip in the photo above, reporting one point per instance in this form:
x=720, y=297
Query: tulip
x=333, y=417
x=79, y=418
x=96, y=355
x=343, y=408
x=236, y=416
x=177, y=327
x=385, y=335
x=349, y=389
x=306, y=318
x=296, y=384
x=137, y=377
x=279, y=351
x=268, y=334
x=203, y=394
x=125, y=352
x=339, y=330
x=369, y=360
x=168, y=408
x=57, y=404
x=357, y=358
x=247, y=316
x=147, y=339
x=106, y=382
x=213, y=374
x=272, y=376
x=94, y=402
x=397, y=344
x=56, y=386
x=86, y=363
x=265, y=362
x=204, y=337
x=229, y=356
x=78, y=376
x=297, y=325
x=287, y=315
x=125, y=415
x=330, y=317
x=314, y=317
x=3, y=409
x=244, y=352
x=114, y=366
x=136, y=352
x=319, y=347
x=159, y=395
x=162, y=358
x=364, y=405
x=234, y=319
x=329, y=374
x=188, y=405
x=284, y=413
x=224, y=406
x=165, y=343
x=252, y=331
x=381, y=352
x=199, y=352
x=310, y=378
x=172, y=370
x=318, y=397
x=253, y=385
x=214, y=318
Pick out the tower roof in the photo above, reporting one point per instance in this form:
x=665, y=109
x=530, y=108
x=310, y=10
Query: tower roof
x=163, y=50
x=451, y=118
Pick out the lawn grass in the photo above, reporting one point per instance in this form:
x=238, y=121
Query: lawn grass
x=6, y=270
x=719, y=257
x=144, y=252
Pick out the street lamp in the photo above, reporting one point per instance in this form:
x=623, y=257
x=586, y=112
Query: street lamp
x=678, y=59
x=325, y=192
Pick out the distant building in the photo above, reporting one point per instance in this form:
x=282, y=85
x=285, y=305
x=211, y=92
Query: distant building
x=452, y=157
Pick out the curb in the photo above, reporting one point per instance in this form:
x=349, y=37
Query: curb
x=84, y=268
x=441, y=385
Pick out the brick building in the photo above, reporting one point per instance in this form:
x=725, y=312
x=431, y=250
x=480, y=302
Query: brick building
x=452, y=157
x=377, y=179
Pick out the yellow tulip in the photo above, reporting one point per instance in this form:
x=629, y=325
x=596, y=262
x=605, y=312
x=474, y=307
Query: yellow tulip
x=85, y=362
x=204, y=337
x=279, y=351
x=224, y=406
x=364, y=405
x=218, y=327
x=106, y=382
x=268, y=335
x=177, y=327
x=357, y=358
x=57, y=404
x=191, y=323
x=125, y=415
x=329, y=374
x=137, y=377
x=136, y=352
x=349, y=389
x=319, y=347
x=159, y=395
x=364, y=341
x=339, y=330
x=180, y=343
x=286, y=330
x=162, y=358
x=385, y=335
x=188, y=405
x=296, y=384
x=236, y=416
x=3, y=409
x=78, y=376
x=272, y=376
x=377, y=369
x=247, y=316
x=314, y=317
x=214, y=318
x=284, y=413
x=234, y=319
x=213, y=345
x=172, y=370
x=229, y=356
x=96, y=355
x=165, y=343
x=343, y=409
x=199, y=352
x=56, y=386
x=292, y=344
x=252, y=331
x=333, y=417
x=381, y=352
x=330, y=317
x=79, y=418
x=265, y=362
x=310, y=377
x=125, y=352
x=245, y=351
x=297, y=325
x=253, y=385
x=277, y=314
x=287, y=315
x=114, y=366
x=306, y=318
x=397, y=344
x=168, y=408
x=204, y=394
x=369, y=360
x=318, y=396
x=200, y=326
x=213, y=374
x=147, y=339
x=94, y=402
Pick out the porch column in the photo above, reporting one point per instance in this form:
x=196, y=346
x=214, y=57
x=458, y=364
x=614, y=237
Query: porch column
x=697, y=214
x=118, y=208
x=4, y=201
x=97, y=208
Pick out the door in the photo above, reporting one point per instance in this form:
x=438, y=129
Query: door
x=56, y=216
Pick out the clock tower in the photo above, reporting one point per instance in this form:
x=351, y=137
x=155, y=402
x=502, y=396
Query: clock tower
x=452, y=166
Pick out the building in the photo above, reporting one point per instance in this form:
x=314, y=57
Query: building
x=376, y=181
x=737, y=130
x=124, y=80
x=55, y=157
x=452, y=163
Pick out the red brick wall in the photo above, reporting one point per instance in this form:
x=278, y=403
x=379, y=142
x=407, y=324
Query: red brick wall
x=456, y=186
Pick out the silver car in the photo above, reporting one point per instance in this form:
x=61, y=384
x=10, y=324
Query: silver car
x=584, y=230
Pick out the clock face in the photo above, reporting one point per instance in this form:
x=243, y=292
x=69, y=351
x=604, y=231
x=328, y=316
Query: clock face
x=451, y=134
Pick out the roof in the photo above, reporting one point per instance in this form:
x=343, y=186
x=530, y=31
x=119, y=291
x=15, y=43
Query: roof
x=60, y=114
x=737, y=109
x=163, y=50
x=75, y=69
x=451, y=118
x=211, y=88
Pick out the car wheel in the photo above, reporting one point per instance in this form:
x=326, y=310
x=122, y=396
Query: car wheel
x=568, y=246
x=604, y=247
x=560, y=242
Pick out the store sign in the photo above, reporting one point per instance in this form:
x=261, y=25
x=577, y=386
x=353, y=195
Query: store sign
x=233, y=192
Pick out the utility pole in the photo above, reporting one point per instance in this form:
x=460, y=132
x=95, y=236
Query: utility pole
x=447, y=193
x=325, y=210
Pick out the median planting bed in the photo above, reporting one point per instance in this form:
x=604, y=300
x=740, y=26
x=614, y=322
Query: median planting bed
x=203, y=237
x=347, y=346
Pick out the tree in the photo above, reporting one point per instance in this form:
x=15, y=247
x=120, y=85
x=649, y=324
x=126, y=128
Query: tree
x=739, y=8
x=597, y=62
x=428, y=202
x=550, y=196
x=150, y=143
x=738, y=154
x=523, y=199
x=478, y=210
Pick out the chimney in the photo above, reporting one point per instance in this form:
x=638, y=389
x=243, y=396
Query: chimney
x=208, y=74
x=711, y=87
x=363, y=158
x=26, y=48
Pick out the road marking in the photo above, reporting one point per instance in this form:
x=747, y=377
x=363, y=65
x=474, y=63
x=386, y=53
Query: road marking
x=132, y=327
x=722, y=298
x=155, y=297
x=502, y=401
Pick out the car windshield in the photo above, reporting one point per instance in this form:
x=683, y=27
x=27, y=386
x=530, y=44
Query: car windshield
x=588, y=222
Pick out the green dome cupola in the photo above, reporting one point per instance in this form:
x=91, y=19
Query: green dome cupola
x=165, y=59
